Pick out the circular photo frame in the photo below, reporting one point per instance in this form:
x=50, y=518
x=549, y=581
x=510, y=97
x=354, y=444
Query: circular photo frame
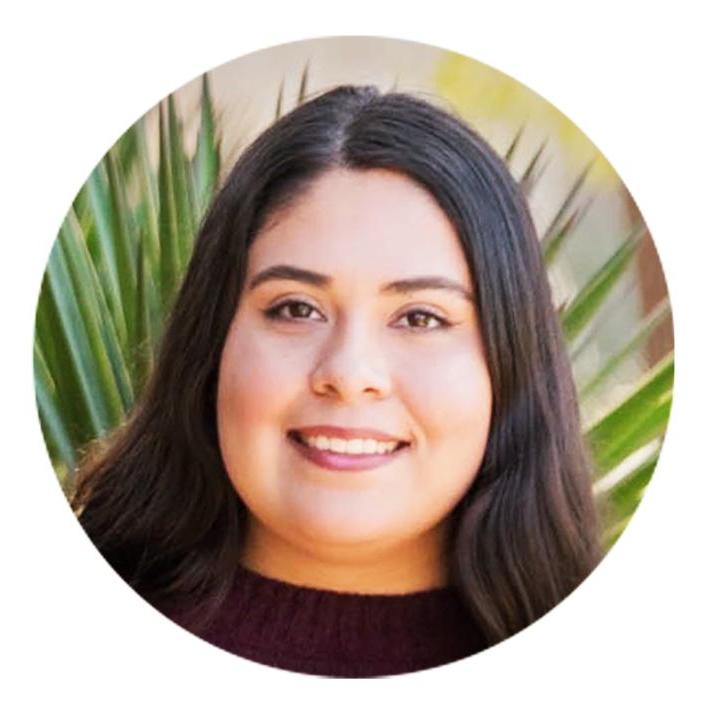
x=353, y=357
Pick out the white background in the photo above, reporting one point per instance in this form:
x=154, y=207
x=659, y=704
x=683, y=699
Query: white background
x=631, y=76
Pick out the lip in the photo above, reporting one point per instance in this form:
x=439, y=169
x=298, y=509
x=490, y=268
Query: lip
x=345, y=462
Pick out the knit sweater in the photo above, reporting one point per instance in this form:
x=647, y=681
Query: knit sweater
x=341, y=634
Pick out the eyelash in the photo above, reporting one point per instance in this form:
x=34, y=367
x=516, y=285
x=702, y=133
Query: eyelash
x=274, y=313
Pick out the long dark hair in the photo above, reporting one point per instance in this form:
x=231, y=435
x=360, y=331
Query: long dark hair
x=157, y=501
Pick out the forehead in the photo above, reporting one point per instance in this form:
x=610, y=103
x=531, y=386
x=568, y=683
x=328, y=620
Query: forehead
x=363, y=224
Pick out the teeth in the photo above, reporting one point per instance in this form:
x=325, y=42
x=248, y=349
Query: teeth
x=370, y=446
x=351, y=446
x=355, y=446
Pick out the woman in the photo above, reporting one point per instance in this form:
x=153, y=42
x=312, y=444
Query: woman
x=359, y=453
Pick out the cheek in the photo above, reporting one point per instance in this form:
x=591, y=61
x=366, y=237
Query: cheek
x=450, y=394
x=451, y=402
x=257, y=378
x=257, y=381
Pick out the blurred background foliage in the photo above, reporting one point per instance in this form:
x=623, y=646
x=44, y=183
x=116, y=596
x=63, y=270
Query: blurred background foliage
x=126, y=241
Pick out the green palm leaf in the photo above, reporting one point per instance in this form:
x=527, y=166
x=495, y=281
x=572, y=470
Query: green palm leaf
x=636, y=342
x=110, y=279
x=78, y=331
x=561, y=224
x=205, y=165
x=182, y=187
x=168, y=211
x=640, y=418
x=589, y=299
x=624, y=497
x=56, y=434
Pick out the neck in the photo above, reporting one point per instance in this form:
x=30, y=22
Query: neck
x=401, y=568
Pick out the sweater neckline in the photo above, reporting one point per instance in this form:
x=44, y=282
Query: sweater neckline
x=246, y=575
x=346, y=634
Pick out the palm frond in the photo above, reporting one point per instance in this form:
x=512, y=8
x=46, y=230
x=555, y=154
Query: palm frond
x=111, y=277
x=587, y=302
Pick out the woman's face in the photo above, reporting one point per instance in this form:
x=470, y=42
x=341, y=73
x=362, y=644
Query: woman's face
x=355, y=333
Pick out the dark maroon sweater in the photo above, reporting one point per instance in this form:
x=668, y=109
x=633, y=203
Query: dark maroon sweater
x=341, y=634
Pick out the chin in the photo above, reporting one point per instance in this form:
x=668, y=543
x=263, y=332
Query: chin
x=345, y=530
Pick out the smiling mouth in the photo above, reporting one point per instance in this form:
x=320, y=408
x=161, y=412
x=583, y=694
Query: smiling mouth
x=348, y=447
x=344, y=455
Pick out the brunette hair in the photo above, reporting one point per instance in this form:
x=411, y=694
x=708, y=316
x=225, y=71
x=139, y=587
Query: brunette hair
x=157, y=501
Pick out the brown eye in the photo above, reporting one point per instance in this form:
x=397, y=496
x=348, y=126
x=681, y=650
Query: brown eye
x=298, y=310
x=419, y=319
x=423, y=320
x=291, y=310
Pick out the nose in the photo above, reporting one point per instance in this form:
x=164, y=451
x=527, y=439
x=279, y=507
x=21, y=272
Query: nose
x=351, y=366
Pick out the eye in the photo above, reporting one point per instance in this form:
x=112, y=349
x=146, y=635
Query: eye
x=418, y=319
x=292, y=310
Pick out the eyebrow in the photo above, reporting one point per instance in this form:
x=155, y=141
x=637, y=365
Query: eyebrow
x=313, y=278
